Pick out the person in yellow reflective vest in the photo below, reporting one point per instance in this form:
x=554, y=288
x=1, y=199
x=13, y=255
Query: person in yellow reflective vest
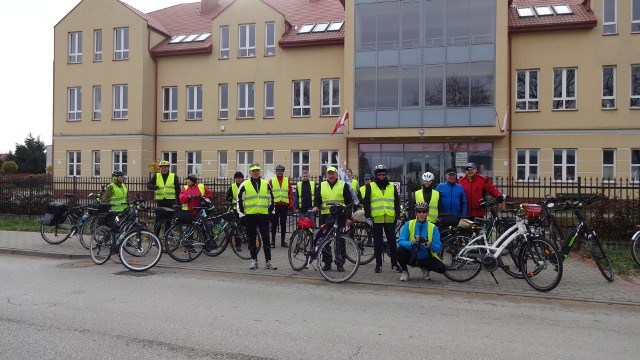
x=232, y=195
x=255, y=203
x=428, y=195
x=166, y=186
x=192, y=193
x=381, y=207
x=305, y=191
x=419, y=244
x=367, y=181
x=116, y=193
x=353, y=182
x=283, y=201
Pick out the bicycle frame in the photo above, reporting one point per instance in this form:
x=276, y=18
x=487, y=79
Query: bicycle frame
x=519, y=228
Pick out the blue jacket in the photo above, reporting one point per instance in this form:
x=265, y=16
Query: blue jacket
x=452, y=199
x=421, y=230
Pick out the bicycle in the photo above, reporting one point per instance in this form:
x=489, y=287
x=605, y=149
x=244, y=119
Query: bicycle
x=137, y=248
x=227, y=229
x=583, y=231
x=61, y=221
x=635, y=246
x=331, y=240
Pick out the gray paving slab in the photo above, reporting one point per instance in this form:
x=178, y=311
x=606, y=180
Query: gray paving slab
x=581, y=280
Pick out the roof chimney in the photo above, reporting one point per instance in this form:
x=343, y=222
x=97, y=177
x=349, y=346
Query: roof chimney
x=208, y=5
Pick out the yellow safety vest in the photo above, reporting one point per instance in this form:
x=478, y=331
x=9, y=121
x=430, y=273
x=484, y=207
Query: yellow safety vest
x=299, y=190
x=185, y=206
x=333, y=195
x=363, y=190
x=234, y=192
x=433, y=204
x=354, y=184
x=166, y=190
x=412, y=230
x=255, y=203
x=119, y=197
x=280, y=194
x=382, y=203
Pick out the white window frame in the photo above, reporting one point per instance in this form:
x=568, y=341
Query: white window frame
x=74, y=103
x=97, y=103
x=634, y=100
x=244, y=158
x=564, y=101
x=610, y=167
x=119, y=160
x=223, y=101
x=635, y=165
x=328, y=107
x=301, y=104
x=97, y=45
x=530, y=102
x=194, y=102
x=172, y=158
x=194, y=162
x=170, y=103
x=120, y=101
x=270, y=39
x=247, y=40
x=74, y=163
x=224, y=43
x=269, y=99
x=327, y=158
x=223, y=163
x=121, y=43
x=95, y=163
x=298, y=163
x=635, y=16
x=246, y=100
x=564, y=166
x=609, y=101
x=609, y=27
x=75, y=48
x=267, y=156
x=528, y=165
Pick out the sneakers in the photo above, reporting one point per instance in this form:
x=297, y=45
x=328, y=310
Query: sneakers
x=425, y=274
x=326, y=266
x=254, y=265
x=340, y=268
x=378, y=269
x=273, y=245
x=270, y=266
x=404, y=276
x=396, y=268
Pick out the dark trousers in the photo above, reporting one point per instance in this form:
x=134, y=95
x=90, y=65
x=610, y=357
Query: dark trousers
x=261, y=222
x=328, y=253
x=168, y=204
x=431, y=263
x=389, y=231
x=280, y=216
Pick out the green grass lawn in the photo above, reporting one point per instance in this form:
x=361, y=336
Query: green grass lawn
x=19, y=224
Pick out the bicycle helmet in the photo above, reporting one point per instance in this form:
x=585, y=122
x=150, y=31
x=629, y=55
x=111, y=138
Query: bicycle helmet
x=421, y=206
x=163, y=163
x=117, y=173
x=279, y=168
x=427, y=176
x=379, y=169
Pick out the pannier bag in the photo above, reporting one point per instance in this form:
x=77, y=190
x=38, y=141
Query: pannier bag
x=185, y=216
x=447, y=220
x=54, y=213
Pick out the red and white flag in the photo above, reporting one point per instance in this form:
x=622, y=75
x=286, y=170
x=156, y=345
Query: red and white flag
x=340, y=122
x=503, y=128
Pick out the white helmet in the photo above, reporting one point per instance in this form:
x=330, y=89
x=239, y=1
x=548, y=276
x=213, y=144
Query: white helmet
x=427, y=176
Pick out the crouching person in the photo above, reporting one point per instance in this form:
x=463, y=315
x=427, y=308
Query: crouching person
x=419, y=244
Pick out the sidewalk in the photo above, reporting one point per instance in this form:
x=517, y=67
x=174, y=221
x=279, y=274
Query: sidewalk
x=581, y=280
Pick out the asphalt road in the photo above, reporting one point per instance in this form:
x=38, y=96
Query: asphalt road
x=72, y=309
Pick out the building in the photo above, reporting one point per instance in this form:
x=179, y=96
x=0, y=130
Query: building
x=214, y=86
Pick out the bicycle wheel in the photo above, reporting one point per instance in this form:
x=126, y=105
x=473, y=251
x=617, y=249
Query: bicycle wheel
x=140, y=250
x=100, y=245
x=298, y=244
x=509, y=260
x=635, y=249
x=184, y=242
x=86, y=229
x=600, y=256
x=161, y=227
x=339, y=247
x=555, y=234
x=239, y=237
x=58, y=233
x=362, y=236
x=541, y=264
x=216, y=244
x=459, y=270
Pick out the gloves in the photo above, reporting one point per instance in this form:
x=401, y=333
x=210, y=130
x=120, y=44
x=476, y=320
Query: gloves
x=369, y=222
x=501, y=198
x=272, y=209
x=190, y=197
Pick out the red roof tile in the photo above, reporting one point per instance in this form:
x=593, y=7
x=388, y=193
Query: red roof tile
x=582, y=17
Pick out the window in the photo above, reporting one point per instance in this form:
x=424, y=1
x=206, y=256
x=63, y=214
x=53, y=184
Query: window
x=328, y=158
x=97, y=102
x=564, y=164
x=608, y=87
x=223, y=163
x=224, y=42
x=527, y=90
x=608, y=164
x=172, y=158
x=410, y=87
x=302, y=98
x=73, y=162
x=247, y=38
x=609, y=16
x=433, y=84
x=120, y=101
x=299, y=162
x=330, y=97
x=95, y=163
x=194, y=102
x=244, y=158
x=527, y=164
x=97, y=45
x=74, y=107
x=635, y=164
x=246, y=107
x=223, y=101
x=194, y=162
x=121, y=44
x=564, y=89
x=170, y=103
x=75, y=47
x=270, y=39
x=120, y=161
x=269, y=99
x=635, y=16
x=635, y=87
x=268, y=160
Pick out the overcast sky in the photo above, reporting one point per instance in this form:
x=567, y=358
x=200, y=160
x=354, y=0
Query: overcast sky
x=26, y=64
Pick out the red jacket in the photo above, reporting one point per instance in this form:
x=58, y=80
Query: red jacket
x=475, y=189
x=195, y=191
x=279, y=180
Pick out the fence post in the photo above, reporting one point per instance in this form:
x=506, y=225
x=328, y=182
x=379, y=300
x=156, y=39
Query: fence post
x=579, y=188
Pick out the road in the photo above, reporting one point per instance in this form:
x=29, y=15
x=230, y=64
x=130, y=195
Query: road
x=72, y=309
